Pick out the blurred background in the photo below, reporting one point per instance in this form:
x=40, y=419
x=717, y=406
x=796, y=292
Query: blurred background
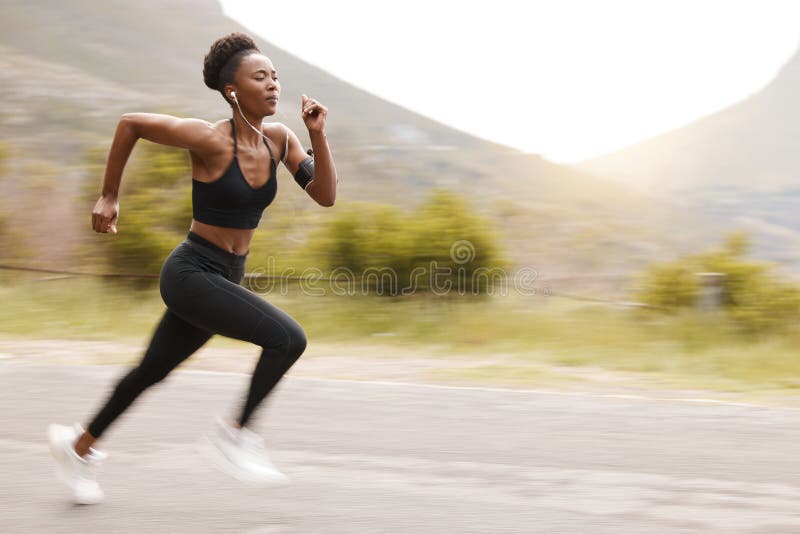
x=657, y=252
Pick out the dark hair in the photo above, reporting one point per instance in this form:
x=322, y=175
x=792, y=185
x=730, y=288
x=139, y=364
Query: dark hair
x=223, y=59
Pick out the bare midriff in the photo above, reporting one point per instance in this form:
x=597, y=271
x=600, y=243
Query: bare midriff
x=235, y=240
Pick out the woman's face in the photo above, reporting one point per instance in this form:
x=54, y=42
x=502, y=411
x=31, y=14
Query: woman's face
x=257, y=87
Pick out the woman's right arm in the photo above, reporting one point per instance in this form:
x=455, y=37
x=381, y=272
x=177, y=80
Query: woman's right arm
x=193, y=134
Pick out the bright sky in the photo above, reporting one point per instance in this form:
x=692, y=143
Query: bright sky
x=567, y=79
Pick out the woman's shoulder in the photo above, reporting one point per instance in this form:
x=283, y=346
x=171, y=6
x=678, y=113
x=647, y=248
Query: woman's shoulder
x=219, y=136
x=220, y=125
x=275, y=130
x=278, y=133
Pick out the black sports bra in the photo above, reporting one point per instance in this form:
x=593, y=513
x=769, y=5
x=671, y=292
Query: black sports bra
x=230, y=201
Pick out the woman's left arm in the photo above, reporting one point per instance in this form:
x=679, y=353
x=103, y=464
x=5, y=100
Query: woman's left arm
x=316, y=173
x=322, y=187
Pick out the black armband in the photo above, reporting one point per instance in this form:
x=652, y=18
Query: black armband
x=305, y=172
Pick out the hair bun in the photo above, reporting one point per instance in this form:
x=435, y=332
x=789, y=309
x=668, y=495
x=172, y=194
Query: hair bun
x=220, y=52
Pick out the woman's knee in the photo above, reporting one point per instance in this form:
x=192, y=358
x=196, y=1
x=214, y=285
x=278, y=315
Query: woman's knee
x=298, y=343
x=280, y=335
x=293, y=343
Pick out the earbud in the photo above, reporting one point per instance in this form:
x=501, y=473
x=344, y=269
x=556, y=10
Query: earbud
x=233, y=95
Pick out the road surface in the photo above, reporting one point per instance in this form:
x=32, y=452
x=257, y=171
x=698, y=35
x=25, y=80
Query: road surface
x=367, y=457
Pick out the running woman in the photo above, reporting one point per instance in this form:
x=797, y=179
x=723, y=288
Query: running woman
x=234, y=167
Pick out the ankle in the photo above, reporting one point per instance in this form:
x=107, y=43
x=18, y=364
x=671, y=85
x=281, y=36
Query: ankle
x=83, y=444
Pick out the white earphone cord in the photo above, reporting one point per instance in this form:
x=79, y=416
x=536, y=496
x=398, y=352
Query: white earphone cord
x=245, y=118
x=233, y=95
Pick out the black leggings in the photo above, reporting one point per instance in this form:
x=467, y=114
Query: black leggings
x=200, y=286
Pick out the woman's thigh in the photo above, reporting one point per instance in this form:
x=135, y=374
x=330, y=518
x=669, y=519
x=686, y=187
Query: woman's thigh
x=207, y=299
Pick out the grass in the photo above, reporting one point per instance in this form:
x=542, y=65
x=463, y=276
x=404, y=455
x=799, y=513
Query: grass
x=533, y=334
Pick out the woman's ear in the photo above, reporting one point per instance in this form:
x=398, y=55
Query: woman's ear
x=230, y=92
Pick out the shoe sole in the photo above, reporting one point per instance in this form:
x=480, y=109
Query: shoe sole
x=209, y=451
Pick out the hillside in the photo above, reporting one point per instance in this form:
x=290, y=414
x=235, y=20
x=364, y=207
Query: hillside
x=71, y=71
x=752, y=144
x=740, y=166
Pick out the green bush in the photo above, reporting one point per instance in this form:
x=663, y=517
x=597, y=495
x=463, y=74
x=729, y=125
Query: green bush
x=753, y=298
x=445, y=231
x=669, y=286
x=386, y=250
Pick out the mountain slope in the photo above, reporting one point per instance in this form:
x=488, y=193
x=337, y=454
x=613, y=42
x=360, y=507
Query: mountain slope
x=753, y=144
x=739, y=166
x=71, y=69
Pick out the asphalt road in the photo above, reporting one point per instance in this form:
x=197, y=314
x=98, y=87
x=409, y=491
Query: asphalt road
x=378, y=457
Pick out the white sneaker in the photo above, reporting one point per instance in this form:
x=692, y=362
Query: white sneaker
x=76, y=472
x=241, y=454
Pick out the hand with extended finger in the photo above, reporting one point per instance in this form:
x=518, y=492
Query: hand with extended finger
x=105, y=214
x=314, y=114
